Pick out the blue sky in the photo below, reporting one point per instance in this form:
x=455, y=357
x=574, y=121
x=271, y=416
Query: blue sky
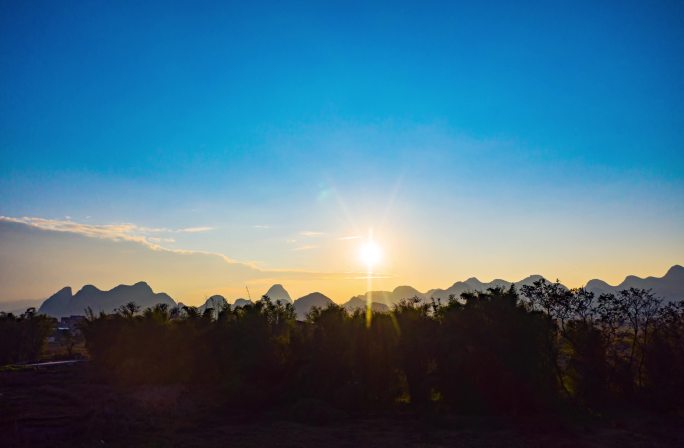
x=481, y=131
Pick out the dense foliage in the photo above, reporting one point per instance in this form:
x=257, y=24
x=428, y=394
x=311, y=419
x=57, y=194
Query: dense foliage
x=493, y=351
x=22, y=337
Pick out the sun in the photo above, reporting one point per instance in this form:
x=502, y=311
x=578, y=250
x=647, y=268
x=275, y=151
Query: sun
x=370, y=254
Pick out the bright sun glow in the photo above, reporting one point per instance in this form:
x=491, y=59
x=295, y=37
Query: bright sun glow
x=370, y=254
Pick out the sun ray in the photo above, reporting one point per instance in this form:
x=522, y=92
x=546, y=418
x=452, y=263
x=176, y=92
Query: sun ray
x=370, y=254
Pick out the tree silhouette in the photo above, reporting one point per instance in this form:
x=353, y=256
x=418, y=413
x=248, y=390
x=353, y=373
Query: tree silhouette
x=22, y=337
x=490, y=351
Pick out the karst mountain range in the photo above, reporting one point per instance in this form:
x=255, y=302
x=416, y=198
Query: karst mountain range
x=65, y=302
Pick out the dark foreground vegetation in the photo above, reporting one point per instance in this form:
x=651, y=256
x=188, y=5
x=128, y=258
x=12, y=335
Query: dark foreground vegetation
x=486, y=352
x=538, y=357
x=22, y=337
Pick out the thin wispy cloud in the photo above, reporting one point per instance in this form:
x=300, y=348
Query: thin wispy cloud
x=141, y=235
x=346, y=238
x=128, y=232
x=158, y=240
x=148, y=236
x=306, y=247
x=310, y=234
x=195, y=229
x=144, y=229
x=147, y=230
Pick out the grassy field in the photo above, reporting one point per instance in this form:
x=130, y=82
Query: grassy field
x=68, y=406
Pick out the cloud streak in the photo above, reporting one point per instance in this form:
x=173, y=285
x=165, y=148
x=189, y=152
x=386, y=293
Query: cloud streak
x=194, y=229
x=306, y=247
x=149, y=237
x=310, y=234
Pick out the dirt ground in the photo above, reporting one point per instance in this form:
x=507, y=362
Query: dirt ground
x=65, y=406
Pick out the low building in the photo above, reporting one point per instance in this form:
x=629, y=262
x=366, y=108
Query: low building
x=70, y=323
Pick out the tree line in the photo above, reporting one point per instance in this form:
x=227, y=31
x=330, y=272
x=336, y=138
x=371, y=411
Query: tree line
x=22, y=336
x=495, y=351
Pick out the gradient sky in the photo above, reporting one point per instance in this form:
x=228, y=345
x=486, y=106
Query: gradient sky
x=490, y=140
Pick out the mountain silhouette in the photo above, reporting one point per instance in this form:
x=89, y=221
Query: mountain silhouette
x=277, y=292
x=668, y=287
x=387, y=298
x=63, y=303
x=239, y=303
x=473, y=284
x=216, y=303
x=304, y=304
x=359, y=303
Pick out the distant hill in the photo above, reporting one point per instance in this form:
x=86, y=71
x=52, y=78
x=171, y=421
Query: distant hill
x=304, y=304
x=277, y=292
x=215, y=303
x=387, y=298
x=359, y=303
x=239, y=303
x=473, y=284
x=64, y=303
x=669, y=287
